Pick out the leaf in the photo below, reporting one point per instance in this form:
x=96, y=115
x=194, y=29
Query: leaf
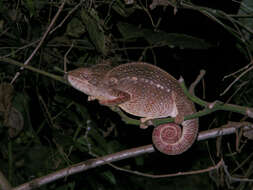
x=21, y=103
x=99, y=141
x=109, y=176
x=95, y=31
x=36, y=158
x=6, y=95
x=75, y=28
x=93, y=140
x=11, y=117
x=245, y=9
x=122, y=9
x=179, y=40
x=139, y=161
x=15, y=122
x=129, y=31
x=31, y=6
x=62, y=139
x=248, y=134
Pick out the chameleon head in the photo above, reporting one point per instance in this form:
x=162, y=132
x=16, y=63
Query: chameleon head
x=79, y=79
x=88, y=82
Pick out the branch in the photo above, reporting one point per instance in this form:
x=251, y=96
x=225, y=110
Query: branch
x=130, y=153
x=194, y=84
x=216, y=105
x=209, y=107
x=215, y=167
x=13, y=62
x=4, y=184
x=236, y=79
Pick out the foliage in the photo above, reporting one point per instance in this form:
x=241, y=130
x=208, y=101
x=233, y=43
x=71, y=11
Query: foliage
x=54, y=126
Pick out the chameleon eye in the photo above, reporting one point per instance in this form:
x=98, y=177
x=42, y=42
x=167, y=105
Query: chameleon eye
x=113, y=80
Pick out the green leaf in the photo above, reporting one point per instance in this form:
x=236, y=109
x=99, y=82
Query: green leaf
x=94, y=30
x=139, y=161
x=21, y=102
x=82, y=111
x=122, y=9
x=173, y=39
x=75, y=28
x=93, y=141
x=99, y=141
x=36, y=158
x=109, y=176
x=246, y=8
x=129, y=31
x=31, y=6
x=64, y=140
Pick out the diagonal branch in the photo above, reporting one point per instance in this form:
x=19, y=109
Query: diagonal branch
x=4, y=184
x=130, y=153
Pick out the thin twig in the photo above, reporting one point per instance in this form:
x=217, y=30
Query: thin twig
x=41, y=41
x=44, y=73
x=236, y=91
x=238, y=71
x=5, y=31
x=194, y=84
x=66, y=57
x=220, y=163
x=21, y=48
x=68, y=15
x=237, y=78
x=234, y=179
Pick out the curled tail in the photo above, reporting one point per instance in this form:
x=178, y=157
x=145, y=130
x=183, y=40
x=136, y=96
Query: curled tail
x=171, y=140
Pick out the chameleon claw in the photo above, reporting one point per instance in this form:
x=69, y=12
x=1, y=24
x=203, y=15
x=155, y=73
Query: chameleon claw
x=145, y=122
x=91, y=98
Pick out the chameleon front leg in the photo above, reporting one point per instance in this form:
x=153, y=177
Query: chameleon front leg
x=178, y=118
x=91, y=98
x=120, y=97
x=145, y=122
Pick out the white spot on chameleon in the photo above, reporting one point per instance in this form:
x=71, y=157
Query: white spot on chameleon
x=134, y=78
x=144, y=80
x=159, y=86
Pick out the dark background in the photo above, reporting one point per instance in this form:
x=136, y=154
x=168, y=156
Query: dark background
x=56, y=117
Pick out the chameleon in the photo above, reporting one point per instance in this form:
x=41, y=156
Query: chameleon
x=146, y=91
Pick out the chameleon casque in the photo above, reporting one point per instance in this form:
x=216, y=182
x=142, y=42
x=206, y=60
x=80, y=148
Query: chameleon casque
x=146, y=91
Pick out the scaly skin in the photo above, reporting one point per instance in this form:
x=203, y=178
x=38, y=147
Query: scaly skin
x=143, y=90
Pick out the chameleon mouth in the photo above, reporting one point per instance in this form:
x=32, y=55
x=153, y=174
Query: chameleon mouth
x=87, y=88
x=79, y=84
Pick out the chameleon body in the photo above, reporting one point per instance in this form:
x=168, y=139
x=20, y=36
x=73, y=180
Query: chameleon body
x=143, y=90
